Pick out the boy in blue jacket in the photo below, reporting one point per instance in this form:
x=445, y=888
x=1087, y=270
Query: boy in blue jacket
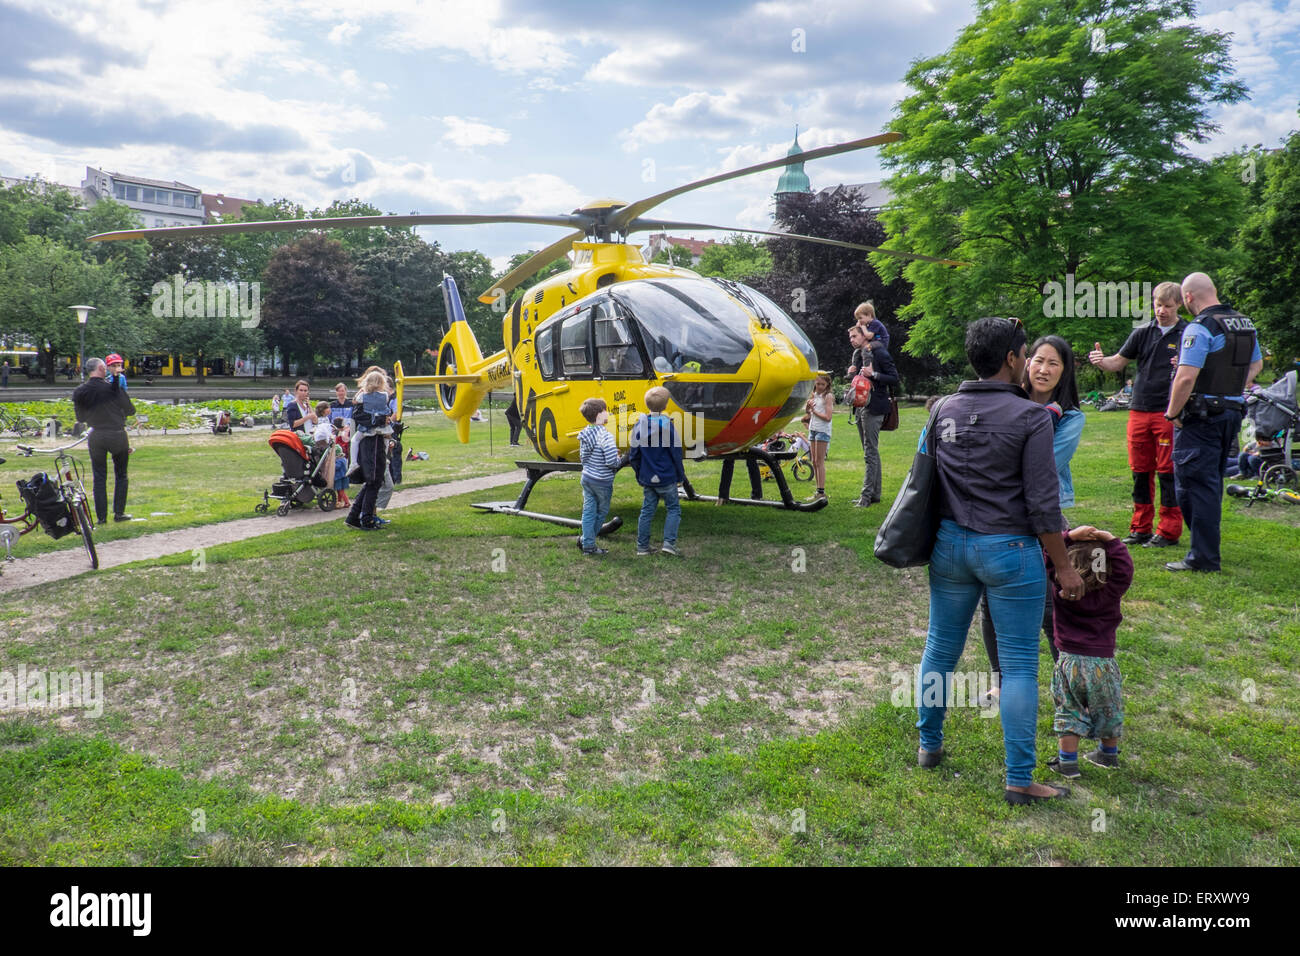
x=655, y=451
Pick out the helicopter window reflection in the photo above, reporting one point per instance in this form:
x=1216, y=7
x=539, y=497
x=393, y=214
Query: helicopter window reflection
x=575, y=341
x=770, y=310
x=545, y=356
x=688, y=325
x=616, y=351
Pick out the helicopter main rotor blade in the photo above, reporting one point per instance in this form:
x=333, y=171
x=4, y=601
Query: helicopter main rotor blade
x=536, y=261
x=620, y=220
x=338, y=222
x=641, y=225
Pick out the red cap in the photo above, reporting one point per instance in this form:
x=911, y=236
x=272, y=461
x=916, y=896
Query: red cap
x=114, y=359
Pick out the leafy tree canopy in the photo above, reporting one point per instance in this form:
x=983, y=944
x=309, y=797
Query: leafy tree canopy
x=1050, y=141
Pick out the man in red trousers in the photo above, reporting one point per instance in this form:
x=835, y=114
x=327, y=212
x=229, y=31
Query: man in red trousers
x=1150, y=434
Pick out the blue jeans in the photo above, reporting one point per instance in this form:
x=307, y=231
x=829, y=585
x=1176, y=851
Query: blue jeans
x=1200, y=448
x=596, y=496
x=650, y=504
x=1010, y=568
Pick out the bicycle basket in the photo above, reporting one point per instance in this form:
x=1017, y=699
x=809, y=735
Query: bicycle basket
x=42, y=497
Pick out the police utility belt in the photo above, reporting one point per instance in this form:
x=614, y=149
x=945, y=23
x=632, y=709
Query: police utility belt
x=1207, y=406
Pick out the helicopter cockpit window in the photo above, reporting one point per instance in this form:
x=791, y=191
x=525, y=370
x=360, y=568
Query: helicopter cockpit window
x=770, y=310
x=575, y=342
x=544, y=343
x=616, y=352
x=688, y=325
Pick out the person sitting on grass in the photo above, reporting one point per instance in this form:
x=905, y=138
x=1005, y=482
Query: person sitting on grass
x=599, y=455
x=1086, y=680
x=655, y=453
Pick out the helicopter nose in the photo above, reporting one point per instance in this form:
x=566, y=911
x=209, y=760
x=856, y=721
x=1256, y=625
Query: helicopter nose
x=780, y=371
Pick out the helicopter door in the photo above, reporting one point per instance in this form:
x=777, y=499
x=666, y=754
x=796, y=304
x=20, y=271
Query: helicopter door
x=617, y=355
x=555, y=409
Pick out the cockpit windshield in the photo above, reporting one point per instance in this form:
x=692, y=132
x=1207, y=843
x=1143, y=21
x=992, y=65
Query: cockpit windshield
x=688, y=325
x=770, y=310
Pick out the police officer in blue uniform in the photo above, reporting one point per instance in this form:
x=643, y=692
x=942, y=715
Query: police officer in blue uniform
x=1217, y=362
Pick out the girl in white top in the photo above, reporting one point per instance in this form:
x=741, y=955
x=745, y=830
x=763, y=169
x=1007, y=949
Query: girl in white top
x=821, y=408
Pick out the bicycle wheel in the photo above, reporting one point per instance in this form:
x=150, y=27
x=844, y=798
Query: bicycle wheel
x=27, y=427
x=1287, y=496
x=87, y=527
x=802, y=470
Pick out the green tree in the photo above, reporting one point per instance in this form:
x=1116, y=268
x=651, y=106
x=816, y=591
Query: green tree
x=1265, y=283
x=1048, y=142
x=245, y=256
x=403, y=311
x=40, y=278
x=675, y=255
x=737, y=257
x=312, y=297
x=820, y=286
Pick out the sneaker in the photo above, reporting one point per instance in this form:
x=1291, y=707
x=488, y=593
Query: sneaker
x=862, y=503
x=358, y=524
x=928, y=758
x=643, y=552
x=670, y=549
x=1102, y=759
x=1066, y=768
x=1138, y=537
x=380, y=522
x=121, y=517
x=595, y=552
x=1160, y=541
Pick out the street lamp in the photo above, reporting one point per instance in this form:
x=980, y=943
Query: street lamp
x=83, y=313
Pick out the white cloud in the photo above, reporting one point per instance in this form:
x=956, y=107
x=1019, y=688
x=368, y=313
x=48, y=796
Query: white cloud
x=468, y=133
x=343, y=34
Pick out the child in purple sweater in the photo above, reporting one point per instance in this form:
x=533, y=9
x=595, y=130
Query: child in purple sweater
x=1086, y=683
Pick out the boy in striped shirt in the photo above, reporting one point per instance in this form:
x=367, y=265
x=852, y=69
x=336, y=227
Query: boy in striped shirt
x=599, y=455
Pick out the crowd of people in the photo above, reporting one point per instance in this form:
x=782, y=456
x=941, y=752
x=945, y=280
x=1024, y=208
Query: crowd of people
x=1002, y=456
x=351, y=439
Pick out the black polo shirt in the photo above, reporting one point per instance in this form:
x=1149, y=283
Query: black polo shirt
x=1156, y=351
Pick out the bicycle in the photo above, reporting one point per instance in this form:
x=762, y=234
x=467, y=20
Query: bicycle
x=21, y=425
x=1265, y=490
x=57, y=507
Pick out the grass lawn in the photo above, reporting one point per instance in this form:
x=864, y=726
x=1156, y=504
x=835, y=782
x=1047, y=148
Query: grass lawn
x=179, y=481
x=465, y=687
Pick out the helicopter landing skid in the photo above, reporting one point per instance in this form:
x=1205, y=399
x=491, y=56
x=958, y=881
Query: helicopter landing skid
x=536, y=471
x=753, y=458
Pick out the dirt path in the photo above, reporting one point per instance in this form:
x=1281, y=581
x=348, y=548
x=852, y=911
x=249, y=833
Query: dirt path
x=28, y=572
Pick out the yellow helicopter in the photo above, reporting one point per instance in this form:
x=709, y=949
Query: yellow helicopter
x=736, y=366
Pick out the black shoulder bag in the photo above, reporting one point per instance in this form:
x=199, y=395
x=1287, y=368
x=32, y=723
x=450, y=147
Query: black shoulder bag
x=906, y=536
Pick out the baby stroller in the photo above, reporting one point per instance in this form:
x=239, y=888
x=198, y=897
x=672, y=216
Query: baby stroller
x=302, y=481
x=221, y=423
x=1274, y=412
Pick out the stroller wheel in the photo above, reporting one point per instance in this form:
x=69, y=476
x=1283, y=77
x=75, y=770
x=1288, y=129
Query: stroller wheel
x=260, y=508
x=326, y=499
x=283, y=509
x=1279, y=476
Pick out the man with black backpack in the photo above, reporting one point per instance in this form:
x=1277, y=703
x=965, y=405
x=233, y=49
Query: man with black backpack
x=104, y=405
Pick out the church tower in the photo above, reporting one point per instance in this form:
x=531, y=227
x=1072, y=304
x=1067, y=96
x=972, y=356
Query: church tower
x=794, y=180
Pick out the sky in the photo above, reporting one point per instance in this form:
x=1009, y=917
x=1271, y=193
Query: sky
x=505, y=106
